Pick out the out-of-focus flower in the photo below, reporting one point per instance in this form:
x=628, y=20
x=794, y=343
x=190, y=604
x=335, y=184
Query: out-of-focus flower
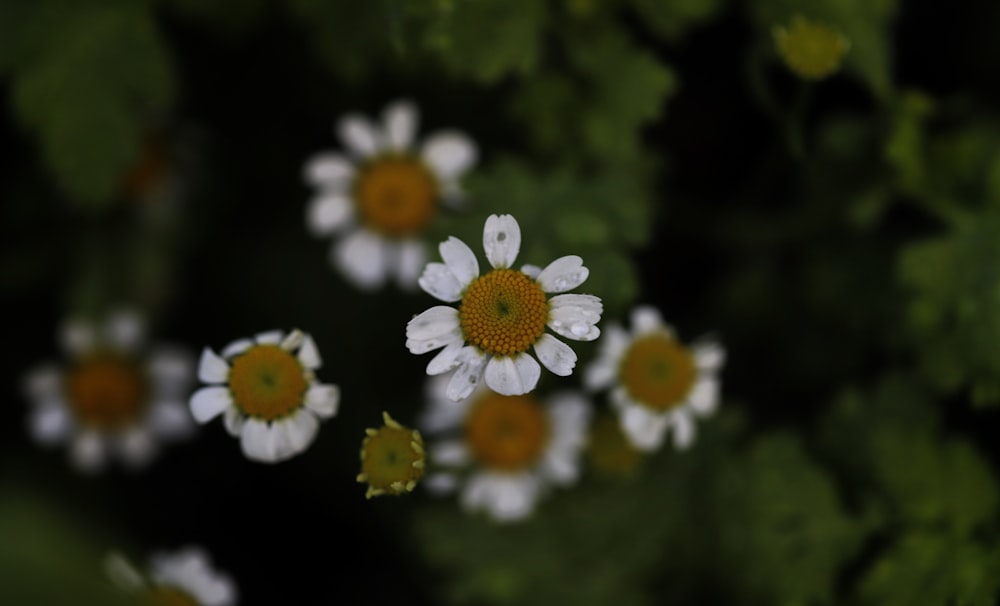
x=501, y=314
x=116, y=397
x=505, y=451
x=182, y=578
x=267, y=392
x=809, y=49
x=380, y=196
x=656, y=382
x=392, y=459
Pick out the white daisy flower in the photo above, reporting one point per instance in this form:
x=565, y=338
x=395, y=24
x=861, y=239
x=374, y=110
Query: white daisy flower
x=506, y=452
x=379, y=197
x=501, y=314
x=117, y=397
x=266, y=389
x=182, y=578
x=656, y=382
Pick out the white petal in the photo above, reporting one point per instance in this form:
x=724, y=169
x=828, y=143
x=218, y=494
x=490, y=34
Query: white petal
x=210, y=402
x=575, y=316
x=50, y=423
x=293, y=340
x=442, y=415
x=136, y=447
x=294, y=433
x=555, y=355
x=43, y=383
x=122, y=573
x=233, y=419
x=323, y=399
x=171, y=370
x=613, y=344
x=309, y=354
x=88, y=451
x=259, y=441
x=434, y=328
x=78, y=337
x=327, y=213
x=506, y=498
x=501, y=240
x=704, y=397
x=447, y=359
x=467, y=376
x=460, y=259
x=400, y=123
x=449, y=453
x=683, y=427
x=329, y=170
x=644, y=429
x=212, y=368
x=236, y=348
x=646, y=318
x=561, y=466
x=449, y=153
x=270, y=337
x=125, y=330
x=412, y=258
x=358, y=135
x=513, y=376
x=440, y=484
x=170, y=419
x=599, y=374
x=438, y=281
x=709, y=356
x=565, y=273
x=361, y=257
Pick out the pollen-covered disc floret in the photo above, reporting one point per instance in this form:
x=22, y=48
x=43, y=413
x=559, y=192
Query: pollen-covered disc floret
x=503, y=453
x=501, y=315
x=182, y=578
x=115, y=396
x=655, y=382
x=267, y=391
x=809, y=49
x=392, y=459
x=379, y=196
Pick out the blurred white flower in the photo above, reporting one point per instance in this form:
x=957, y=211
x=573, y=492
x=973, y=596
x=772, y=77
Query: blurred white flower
x=656, y=382
x=379, y=197
x=503, y=452
x=181, y=578
x=116, y=396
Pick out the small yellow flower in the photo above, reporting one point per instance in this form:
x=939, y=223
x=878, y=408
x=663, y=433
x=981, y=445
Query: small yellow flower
x=809, y=49
x=392, y=459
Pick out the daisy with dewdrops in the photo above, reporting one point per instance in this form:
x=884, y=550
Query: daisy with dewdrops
x=267, y=392
x=501, y=314
x=503, y=453
x=116, y=397
x=656, y=382
x=380, y=195
x=182, y=578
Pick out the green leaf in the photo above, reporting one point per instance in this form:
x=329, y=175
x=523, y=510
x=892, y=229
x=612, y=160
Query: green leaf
x=672, y=20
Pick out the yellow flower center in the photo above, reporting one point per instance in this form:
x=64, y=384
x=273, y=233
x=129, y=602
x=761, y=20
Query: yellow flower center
x=164, y=595
x=106, y=390
x=503, y=312
x=396, y=194
x=267, y=382
x=392, y=459
x=658, y=371
x=809, y=49
x=507, y=433
x=609, y=450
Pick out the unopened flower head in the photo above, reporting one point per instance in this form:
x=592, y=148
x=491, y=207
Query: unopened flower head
x=380, y=196
x=504, y=453
x=267, y=392
x=392, y=459
x=116, y=397
x=182, y=578
x=809, y=49
x=656, y=382
x=501, y=315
